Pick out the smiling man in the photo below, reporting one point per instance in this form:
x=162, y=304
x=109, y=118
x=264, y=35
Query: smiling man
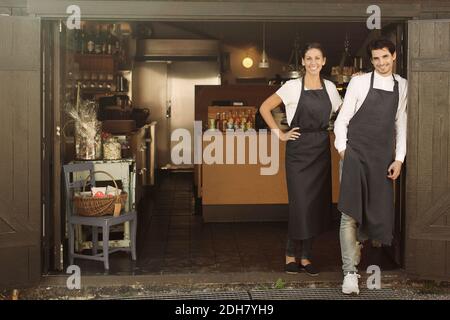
x=371, y=140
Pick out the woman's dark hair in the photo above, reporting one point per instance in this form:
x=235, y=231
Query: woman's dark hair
x=380, y=44
x=312, y=45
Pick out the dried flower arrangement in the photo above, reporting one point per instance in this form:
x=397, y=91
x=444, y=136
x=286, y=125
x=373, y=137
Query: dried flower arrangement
x=88, y=142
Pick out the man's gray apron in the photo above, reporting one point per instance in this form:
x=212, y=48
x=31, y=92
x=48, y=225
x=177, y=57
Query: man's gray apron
x=366, y=193
x=308, y=165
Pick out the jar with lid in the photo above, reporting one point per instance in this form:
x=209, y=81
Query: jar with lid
x=112, y=149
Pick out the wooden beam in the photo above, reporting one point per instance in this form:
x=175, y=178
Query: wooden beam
x=431, y=65
x=13, y=3
x=440, y=233
x=194, y=10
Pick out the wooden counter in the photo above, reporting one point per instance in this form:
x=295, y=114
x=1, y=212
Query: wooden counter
x=239, y=192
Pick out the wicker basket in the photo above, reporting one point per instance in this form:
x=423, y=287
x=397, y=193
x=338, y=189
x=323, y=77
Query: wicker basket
x=96, y=207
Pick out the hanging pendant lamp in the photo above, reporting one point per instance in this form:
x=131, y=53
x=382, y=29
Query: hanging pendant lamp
x=264, y=64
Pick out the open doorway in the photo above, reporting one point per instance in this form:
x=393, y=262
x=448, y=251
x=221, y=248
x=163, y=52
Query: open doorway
x=172, y=235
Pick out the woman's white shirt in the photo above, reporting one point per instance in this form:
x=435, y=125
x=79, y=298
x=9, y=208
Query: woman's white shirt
x=290, y=94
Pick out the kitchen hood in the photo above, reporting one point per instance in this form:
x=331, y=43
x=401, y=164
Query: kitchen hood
x=177, y=50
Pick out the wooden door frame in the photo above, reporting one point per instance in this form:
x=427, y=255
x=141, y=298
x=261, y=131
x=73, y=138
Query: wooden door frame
x=427, y=199
x=21, y=243
x=57, y=220
x=163, y=11
x=422, y=228
x=226, y=10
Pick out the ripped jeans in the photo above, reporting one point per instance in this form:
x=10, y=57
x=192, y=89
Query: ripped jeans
x=350, y=247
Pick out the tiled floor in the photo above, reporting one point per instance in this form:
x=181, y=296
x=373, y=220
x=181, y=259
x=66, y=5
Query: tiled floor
x=173, y=239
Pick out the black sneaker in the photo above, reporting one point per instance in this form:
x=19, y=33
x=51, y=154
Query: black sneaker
x=291, y=268
x=310, y=270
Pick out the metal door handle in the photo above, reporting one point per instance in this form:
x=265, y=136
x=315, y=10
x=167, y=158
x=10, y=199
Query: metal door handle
x=169, y=109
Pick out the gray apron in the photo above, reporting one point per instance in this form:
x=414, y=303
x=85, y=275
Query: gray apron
x=308, y=166
x=366, y=193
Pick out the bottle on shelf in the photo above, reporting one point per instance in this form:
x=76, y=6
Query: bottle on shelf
x=116, y=42
x=250, y=121
x=98, y=41
x=237, y=121
x=230, y=122
x=211, y=123
x=82, y=41
x=224, y=121
x=243, y=120
x=90, y=42
x=76, y=41
x=104, y=39
x=110, y=41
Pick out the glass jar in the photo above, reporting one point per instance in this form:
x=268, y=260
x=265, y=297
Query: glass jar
x=112, y=149
x=87, y=148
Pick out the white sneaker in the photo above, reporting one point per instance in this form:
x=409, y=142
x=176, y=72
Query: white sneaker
x=359, y=247
x=350, y=284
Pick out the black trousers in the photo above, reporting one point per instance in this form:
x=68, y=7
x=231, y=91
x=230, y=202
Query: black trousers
x=305, y=247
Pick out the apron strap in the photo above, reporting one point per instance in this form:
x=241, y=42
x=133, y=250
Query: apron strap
x=395, y=83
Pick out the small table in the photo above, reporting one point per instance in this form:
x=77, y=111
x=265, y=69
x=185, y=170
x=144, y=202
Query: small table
x=125, y=171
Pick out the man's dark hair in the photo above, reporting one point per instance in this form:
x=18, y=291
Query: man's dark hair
x=312, y=45
x=380, y=44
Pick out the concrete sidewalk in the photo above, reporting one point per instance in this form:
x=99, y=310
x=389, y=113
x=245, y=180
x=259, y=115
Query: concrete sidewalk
x=235, y=286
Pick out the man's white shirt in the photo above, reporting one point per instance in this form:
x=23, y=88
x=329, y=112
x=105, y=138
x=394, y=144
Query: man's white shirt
x=357, y=91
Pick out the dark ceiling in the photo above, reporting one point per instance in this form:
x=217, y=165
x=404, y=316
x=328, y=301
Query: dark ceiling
x=280, y=36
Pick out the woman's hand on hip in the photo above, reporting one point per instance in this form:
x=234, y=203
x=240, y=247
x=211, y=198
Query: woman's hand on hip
x=292, y=134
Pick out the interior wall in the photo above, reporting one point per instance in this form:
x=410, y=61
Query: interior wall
x=234, y=68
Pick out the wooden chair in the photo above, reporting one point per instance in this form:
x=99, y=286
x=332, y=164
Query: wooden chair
x=104, y=222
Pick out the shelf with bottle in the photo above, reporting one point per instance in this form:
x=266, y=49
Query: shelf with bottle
x=97, y=39
x=231, y=118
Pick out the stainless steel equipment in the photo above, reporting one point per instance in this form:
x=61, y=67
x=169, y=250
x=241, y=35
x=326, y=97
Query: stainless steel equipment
x=177, y=50
x=144, y=150
x=168, y=85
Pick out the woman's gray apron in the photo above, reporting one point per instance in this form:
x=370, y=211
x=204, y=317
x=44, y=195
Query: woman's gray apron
x=308, y=166
x=366, y=194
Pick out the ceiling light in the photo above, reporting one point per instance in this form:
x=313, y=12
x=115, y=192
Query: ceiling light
x=247, y=62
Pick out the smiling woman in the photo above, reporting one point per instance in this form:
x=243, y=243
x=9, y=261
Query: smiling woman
x=309, y=103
